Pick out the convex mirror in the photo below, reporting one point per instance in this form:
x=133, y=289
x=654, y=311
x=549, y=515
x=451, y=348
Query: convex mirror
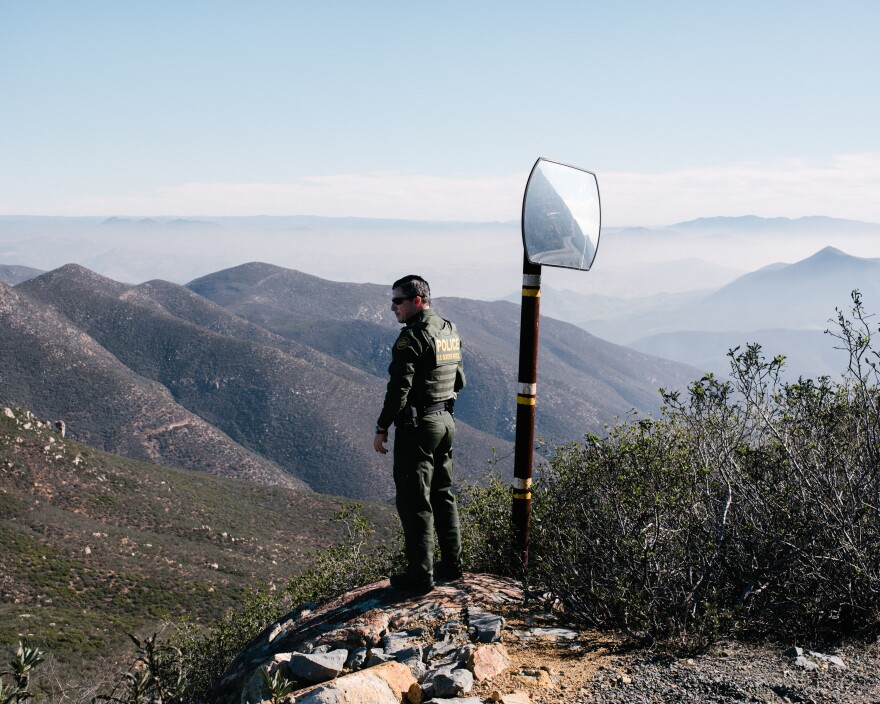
x=561, y=217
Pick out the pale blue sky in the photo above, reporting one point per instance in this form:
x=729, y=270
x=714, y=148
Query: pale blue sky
x=438, y=110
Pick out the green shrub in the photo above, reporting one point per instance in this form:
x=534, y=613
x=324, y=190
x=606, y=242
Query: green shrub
x=750, y=506
x=352, y=563
x=154, y=678
x=486, y=527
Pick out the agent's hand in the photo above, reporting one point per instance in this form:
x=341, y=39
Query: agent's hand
x=379, y=442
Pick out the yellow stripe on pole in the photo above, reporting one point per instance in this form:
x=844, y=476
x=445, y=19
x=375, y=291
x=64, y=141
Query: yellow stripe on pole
x=525, y=400
x=518, y=495
x=531, y=292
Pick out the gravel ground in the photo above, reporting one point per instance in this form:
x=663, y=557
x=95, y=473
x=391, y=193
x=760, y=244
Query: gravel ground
x=594, y=670
x=746, y=674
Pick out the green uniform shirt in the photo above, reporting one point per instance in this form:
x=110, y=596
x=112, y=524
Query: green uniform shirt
x=426, y=365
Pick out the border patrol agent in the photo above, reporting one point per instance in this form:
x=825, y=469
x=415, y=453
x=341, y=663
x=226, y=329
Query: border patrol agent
x=426, y=374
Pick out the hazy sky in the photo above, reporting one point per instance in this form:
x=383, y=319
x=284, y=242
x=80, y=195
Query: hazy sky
x=438, y=110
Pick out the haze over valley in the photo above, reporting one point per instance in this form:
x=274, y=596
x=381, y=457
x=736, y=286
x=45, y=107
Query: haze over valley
x=787, y=308
x=687, y=292
x=467, y=259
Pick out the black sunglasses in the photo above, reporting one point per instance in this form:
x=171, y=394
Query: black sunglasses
x=397, y=300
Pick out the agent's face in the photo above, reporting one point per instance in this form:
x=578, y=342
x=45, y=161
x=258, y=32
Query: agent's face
x=402, y=306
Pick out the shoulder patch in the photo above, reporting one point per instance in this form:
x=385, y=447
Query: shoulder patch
x=402, y=343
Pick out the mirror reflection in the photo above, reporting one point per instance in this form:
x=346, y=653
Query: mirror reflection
x=561, y=216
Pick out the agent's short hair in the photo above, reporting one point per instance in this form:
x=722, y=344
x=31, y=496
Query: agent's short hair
x=412, y=286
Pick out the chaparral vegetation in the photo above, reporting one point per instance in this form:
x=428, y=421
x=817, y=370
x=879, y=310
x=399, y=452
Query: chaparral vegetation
x=749, y=507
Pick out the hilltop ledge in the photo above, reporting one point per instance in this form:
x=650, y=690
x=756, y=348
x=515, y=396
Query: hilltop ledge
x=476, y=640
x=375, y=644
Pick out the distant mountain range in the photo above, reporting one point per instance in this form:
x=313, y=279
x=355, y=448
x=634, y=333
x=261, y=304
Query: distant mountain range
x=274, y=375
x=472, y=260
x=12, y=274
x=708, y=253
x=786, y=307
x=799, y=296
x=807, y=224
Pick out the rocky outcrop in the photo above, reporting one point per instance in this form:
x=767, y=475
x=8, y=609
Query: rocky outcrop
x=376, y=645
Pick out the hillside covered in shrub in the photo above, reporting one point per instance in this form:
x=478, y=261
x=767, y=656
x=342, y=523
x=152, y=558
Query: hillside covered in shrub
x=94, y=545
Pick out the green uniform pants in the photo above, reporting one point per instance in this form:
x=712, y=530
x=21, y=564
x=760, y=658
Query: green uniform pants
x=423, y=479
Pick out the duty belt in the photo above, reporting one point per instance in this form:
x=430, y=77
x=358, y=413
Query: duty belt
x=431, y=410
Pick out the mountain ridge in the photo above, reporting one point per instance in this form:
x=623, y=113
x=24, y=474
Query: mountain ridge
x=292, y=371
x=283, y=303
x=809, y=222
x=232, y=383
x=13, y=274
x=57, y=369
x=476, y=260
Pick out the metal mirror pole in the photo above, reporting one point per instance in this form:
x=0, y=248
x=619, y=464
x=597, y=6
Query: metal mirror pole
x=525, y=405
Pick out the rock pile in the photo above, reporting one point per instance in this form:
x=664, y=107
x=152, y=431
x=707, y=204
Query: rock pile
x=376, y=646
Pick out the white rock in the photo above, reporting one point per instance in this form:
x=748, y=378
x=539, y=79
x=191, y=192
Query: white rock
x=805, y=663
x=318, y=667
x=385, y=684
x=832, y=659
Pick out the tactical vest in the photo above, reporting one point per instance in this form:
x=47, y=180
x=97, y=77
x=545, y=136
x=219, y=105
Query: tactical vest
x=442, y=360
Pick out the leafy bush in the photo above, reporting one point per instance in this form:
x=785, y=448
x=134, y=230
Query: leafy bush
x=352, y=563
x=750, y=506
x=486, y=528
x=155, y=677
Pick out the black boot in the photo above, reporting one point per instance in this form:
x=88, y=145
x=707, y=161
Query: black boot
x=402, y=582
x=446, y=573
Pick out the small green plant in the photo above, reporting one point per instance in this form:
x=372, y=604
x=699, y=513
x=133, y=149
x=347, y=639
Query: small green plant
x=278, y=685
x=154, y=678
x=26, y=659
x=349, y=564
x=206, y=653
x=11, y=692
x=486, y=527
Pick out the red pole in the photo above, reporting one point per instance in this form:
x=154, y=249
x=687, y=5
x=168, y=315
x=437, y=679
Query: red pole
x=525, y=406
